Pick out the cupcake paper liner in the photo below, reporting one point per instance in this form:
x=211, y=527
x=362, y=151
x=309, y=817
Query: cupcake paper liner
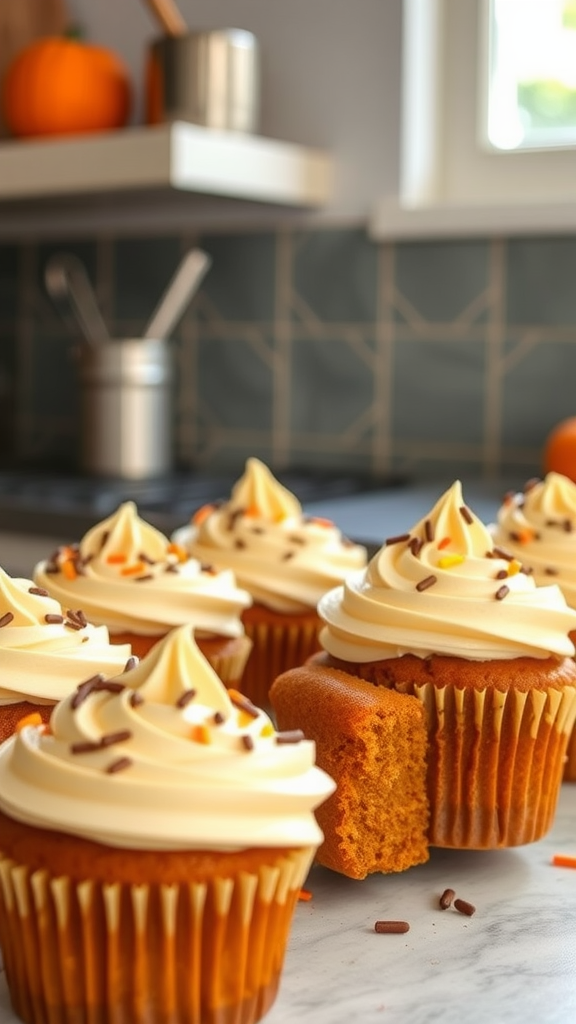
x=276, y=648
x=570, y=762
x=94, y=953
x=227, y=657
x=495, y=763
x=11, y=714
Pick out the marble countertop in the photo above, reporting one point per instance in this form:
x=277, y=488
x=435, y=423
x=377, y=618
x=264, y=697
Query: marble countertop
x=514, y=961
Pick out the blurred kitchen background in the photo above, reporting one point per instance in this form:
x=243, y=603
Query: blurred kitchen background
x=311, y=343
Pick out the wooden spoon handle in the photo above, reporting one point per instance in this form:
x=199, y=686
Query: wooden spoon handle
x=168, y=16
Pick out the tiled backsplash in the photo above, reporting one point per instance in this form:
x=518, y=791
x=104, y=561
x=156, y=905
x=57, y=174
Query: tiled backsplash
x=315, y=348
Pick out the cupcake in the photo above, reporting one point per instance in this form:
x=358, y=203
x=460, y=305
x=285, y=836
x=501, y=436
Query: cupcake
x=128, y=576
x=153, y=842
x=537, y=526
x=45, y=651
x=285, y=560
x=442, y=615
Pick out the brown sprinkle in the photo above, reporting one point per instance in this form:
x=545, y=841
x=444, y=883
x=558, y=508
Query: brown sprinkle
x=85, y=689
x=135, y=699
x=50, y=618
x=501, y=593
x=500, y=553
x=397, y=539
x=119, y=765
x=291, y=736
x=185, y=698
x=446, y=898
x=140, y=579
x=567, y=525
x=424, y=584
x=288, y=555
x=428, y=530
x=218, y=718
x=243, y=704
x=39, y=591
x=110, y=738
x=247, y=742
x=72, y=624
x=6, y=618
x=391, y=927
x=132, y=662
x=502, y=575
x=464, y=907
x=550, y=571
x=87, y=747
x=466, y=514
x=416, y=545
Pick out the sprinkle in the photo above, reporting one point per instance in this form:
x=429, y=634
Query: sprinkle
x=428, y=530
x=464, y=907
x=53, y=619
x=68, y=569
x=500, y=553
x=523, y=536
x=135, y=699
x=267, y=729
x=502, y=592
x=239, y=544
x=77, y=615
x=302, y=540
x=185, y=698
x=550, y=571
x=34, y=719
x=466, y=514
x=131, y=663
x=318, y=521
x=287, y=556
x=38, y=591
x=6, y=618
x=85, y=689
x=305, y=895
x=508, y=497
x=87, y=747
x=514, y=567
x=416, y=545
x=119, y=765
x=502, y=574
x=211, y=570
x=218, y=718
x=116, y=558
x=446, y=898
x=252, y=512
x=200, y=734
x=447, y=561
x=132, y=570
x=141, y=579
x=563, y=860
x=397, y=539
x=201, y=514
x=424, y=584
x=567, y=526
x=244, y=719
x=290, y=736
x=171, y=567
x=179, y=551
x=242, y=703
x=110, y=738
x=391, y=927
x=532, y=482
x=444, y=543
x=146, y=558
x=247, y=742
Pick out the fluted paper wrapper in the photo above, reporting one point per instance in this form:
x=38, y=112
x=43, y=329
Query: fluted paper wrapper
x=11, y=714
x=570, y=762
x=495, y=763
x=277, y=647
x=230, y=667
x=94, y=953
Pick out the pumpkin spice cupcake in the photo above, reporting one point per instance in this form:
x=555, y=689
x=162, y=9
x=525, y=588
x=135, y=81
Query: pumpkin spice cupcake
x=127, y=575
x=45, y=651
x=443, y=615
x=284, y=559
x=162, y=827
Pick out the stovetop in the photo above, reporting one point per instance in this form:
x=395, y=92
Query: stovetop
x=52, y=504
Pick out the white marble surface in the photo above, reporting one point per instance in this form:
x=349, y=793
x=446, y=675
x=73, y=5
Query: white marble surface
x=513, y=962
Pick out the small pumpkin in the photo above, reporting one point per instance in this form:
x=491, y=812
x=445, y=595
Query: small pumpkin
x=64, y=86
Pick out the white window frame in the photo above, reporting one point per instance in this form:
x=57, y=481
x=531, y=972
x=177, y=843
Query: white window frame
x=450, y=182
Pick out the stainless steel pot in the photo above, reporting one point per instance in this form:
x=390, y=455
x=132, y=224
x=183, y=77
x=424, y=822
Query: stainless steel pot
x=211, y=78
x=126, y=388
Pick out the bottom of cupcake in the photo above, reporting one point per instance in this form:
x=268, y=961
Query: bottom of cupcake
x=12, y=714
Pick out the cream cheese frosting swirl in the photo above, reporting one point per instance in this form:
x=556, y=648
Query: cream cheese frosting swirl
x=444, y=588
x=45, y=650
x=164, y=757
x=538, y=526
x=284, y=559
x=128, y=576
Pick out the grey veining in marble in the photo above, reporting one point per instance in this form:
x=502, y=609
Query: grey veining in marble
x=513, y=962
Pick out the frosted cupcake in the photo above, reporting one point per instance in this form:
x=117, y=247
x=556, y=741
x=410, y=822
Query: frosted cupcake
x=45, y=651
x=162, y=826
x=537, y=526
x=127, y=575
x=442, y=614
x=285, y=560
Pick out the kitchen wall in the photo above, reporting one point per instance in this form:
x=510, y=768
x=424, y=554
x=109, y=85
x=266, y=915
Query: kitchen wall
x=315, y=348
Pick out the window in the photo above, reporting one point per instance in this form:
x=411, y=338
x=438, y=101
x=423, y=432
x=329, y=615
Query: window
x=456, y=177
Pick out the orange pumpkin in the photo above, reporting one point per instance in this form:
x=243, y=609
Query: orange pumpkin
x=61, y=86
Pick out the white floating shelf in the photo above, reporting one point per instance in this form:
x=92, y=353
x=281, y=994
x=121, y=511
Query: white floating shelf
x=179, y=156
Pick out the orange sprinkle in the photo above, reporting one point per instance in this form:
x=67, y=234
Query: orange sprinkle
x=305, y=895
x=133, y=570
x=525, y=535
x=253, y=511
x=68, y=569
x=235, y=694
x=34, y=719
x=200, y=733
x=244, y=719
x=117, y=558
x=514, y=567
x=444, y=543
x=267, y=729
x=562, y=860
x=201, y=514
x=322, y=522
x=179, y=551
x=447, y=561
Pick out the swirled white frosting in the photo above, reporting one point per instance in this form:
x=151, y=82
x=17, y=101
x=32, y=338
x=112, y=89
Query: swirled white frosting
x=443, y=588
x=284, y=559
x=45, y=651
x=538, y=526
x=164, y=758
x=127, y=575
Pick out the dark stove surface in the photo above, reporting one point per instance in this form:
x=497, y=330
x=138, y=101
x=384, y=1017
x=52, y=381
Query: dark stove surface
x=68, y=506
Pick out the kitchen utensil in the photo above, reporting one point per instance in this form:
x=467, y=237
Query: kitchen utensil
x=66, y=278
x=126, y=408
x=211, y=78
x=178, y=294
x=168, y=16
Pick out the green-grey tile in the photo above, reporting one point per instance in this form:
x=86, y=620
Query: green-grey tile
x=540, y=276
x=241, y=281
x=143, y=268
x=335, y=273
x=438, y=391
x=538, y=392
x=440, y=279
x=331, y=387
x=235, y=384
x=9, y=271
